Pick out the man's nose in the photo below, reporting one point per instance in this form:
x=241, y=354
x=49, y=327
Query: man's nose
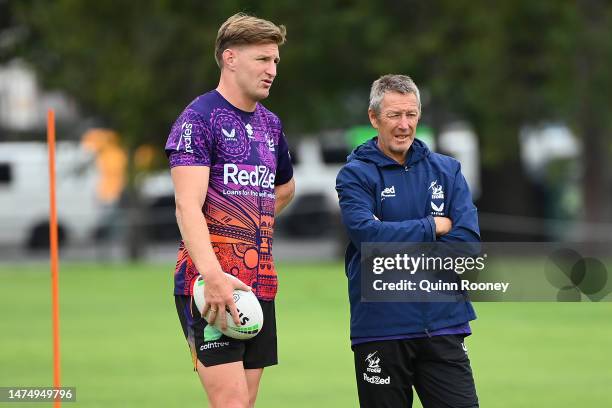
x=271, y=69
x=404, y=122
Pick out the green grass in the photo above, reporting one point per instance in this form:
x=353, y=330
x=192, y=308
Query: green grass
x=122, y=345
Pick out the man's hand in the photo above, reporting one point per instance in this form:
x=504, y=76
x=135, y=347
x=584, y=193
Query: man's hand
x=218, y=295
x=443, y=225
x=190, y=188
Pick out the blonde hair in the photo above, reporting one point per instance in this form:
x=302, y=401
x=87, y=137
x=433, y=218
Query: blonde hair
x=242, y=29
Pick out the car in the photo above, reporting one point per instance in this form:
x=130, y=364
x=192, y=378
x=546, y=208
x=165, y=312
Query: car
x=24, y=194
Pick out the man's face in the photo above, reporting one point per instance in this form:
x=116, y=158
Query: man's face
x=396, y=124
x=255, y=69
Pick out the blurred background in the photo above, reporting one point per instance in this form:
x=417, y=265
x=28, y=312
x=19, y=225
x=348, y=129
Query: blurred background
x=518, y=91
x=515, y=91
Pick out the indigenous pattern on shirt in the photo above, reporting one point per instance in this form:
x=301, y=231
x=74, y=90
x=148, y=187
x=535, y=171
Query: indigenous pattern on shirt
x=248, y=155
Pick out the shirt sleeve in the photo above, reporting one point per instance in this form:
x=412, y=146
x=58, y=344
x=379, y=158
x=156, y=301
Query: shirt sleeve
x=357, y=204
x=462, y=212
x=189, y=141
x=284, y=168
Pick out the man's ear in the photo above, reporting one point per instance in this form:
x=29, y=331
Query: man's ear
x=229, y=59
x=373, y=118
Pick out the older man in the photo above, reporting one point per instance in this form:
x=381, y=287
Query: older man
x=394, y=189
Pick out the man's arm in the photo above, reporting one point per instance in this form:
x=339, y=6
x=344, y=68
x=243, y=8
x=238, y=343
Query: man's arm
x=284, y=194
x=463, y=212
x=358, y=204
x=190, y=188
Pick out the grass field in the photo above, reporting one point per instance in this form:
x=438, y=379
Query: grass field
x=122, y=345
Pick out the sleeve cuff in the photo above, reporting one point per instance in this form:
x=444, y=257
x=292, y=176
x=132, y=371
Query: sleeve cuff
x=284, y=178
x=185, y=159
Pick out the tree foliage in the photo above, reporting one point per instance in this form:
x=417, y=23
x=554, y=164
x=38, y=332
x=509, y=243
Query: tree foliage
x=498, y=65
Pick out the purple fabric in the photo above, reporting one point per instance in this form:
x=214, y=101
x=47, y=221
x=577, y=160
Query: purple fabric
x=459, y=329
x=248, y=156
x=284, y=168
x=197, y=137
x=189, y=140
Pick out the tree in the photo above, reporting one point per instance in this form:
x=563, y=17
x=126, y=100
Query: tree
x=497, y=65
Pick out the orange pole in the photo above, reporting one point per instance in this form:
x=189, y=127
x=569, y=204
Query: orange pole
x=53, y=247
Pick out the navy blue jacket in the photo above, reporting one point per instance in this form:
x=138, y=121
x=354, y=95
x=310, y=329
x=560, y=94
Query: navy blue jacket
x=404, y=200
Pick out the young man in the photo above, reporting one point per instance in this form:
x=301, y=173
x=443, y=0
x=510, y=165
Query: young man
x=232, y=173
x=393, y=189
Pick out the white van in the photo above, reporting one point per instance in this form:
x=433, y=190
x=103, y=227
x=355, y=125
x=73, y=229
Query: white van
x=24, y=194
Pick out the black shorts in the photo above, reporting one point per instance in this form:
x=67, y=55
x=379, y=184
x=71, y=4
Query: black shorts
x=211, y=347
x=437, y=367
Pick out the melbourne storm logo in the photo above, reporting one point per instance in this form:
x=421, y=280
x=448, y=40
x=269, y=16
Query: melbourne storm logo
x=374, y=367
x=373, y=363
x=437, y=193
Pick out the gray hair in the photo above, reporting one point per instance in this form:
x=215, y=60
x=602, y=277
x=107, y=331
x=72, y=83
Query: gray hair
x=392, y=83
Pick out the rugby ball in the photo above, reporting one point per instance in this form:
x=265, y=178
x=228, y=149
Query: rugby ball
x=249, y=312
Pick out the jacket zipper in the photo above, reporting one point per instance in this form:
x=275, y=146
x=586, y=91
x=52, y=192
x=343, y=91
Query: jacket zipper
x=422, y=306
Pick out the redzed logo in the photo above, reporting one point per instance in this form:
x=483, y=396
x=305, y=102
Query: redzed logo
x=376, y=379
x=260, y=176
